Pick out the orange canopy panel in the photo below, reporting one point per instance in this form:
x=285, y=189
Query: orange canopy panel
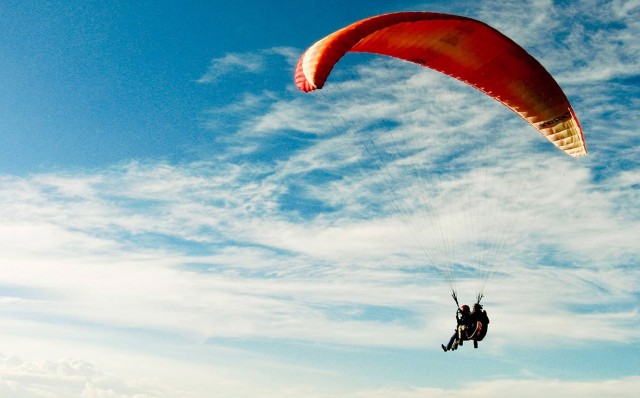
x=466, y=49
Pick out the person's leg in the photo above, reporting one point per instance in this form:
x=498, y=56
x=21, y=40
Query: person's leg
x=451, y=341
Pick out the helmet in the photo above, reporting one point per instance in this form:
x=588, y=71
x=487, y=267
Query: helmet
x=477, y=307
x=465, y=308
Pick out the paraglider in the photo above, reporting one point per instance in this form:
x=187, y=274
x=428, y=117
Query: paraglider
x=463, y=48
x=473, y=53
x=470, y=326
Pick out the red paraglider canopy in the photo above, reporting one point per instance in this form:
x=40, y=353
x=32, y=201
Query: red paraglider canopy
x=461, y=47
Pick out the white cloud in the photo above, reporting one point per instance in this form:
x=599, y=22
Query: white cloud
x=623, y=8
x=230, y=63
x=63, y=378
x=69, y=378
x=525, y=388
x=248, y=62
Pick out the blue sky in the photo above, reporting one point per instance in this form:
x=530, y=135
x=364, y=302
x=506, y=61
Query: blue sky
x=178, y=220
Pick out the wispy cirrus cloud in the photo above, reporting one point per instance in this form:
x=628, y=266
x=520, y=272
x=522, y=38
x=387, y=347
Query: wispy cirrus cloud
x=248, y=62
x=211, y=250
x=231, y=63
